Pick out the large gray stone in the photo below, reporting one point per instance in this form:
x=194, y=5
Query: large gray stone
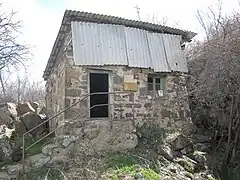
x=23, y=108
x=31, y=120
x=66, y=140
x=37, y=160
x=8, y=113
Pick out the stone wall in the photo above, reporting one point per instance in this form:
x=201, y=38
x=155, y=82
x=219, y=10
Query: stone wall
x=55, y=93
x=69, y=83
x=171, y=111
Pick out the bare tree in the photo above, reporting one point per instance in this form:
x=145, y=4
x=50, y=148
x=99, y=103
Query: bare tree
x=214, y=66
x=23, y=90
x=12, y=53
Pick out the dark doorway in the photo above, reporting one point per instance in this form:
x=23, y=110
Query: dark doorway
x=98, y=83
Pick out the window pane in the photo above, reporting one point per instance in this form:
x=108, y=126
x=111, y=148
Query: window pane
x=157, y=80
x=158, y=87
x=150, y=79
x=150, y=87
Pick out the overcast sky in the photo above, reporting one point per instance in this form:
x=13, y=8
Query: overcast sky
x=42, y=18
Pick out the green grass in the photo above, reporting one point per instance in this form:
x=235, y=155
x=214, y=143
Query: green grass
x=36, y=149
x=125, y=164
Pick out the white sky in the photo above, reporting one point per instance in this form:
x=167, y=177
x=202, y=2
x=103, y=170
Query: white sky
x=42, y=18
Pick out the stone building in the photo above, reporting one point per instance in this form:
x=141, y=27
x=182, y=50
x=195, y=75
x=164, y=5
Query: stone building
x=141, y=65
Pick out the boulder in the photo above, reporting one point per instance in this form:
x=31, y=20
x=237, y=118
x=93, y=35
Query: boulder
x=23, y=108
x=20, y=128
x=179, y=142
x=66, y=140
x=31, y=120
x=8, y=113
x=5, y=149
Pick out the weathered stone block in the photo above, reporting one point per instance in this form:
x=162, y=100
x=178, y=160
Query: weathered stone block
x=118, y=79
x=67, y=102
x=73, y=92
x=167, y=113
x=72, y=112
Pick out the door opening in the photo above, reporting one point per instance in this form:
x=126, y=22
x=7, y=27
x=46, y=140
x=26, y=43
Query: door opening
x=99, y=83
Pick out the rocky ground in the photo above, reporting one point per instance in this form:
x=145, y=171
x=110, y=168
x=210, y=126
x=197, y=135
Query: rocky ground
x=159, y=155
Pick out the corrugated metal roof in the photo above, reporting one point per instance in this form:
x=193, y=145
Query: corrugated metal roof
x=137, y=48
x=174, y=54
x=156, y=46
x=98, y=18
x=103, y=44
x=98, y=44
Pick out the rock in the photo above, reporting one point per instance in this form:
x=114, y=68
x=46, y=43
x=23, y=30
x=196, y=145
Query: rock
x=66, y=140
x=5, y=149
x=199, y=138
x=5, y=131
x=4, y=176
x=48, y=149
x=23, y=108
x=20, y=128
x=187, y=163
x=139, y=176
x=30, y=120
x=37, y=160
x=180, y=142
x=166, y=152
x=14, y=170
x=8, y=113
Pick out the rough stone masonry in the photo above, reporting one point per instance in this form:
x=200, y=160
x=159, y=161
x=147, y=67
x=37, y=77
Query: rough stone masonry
x=68, y=83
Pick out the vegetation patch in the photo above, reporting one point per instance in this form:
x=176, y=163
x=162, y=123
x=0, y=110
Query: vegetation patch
x=120, y=165
x=150, y=136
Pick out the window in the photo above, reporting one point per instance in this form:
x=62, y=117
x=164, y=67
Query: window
x=155, y=83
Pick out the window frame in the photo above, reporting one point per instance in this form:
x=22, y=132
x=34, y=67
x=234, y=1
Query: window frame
x=154, y=83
